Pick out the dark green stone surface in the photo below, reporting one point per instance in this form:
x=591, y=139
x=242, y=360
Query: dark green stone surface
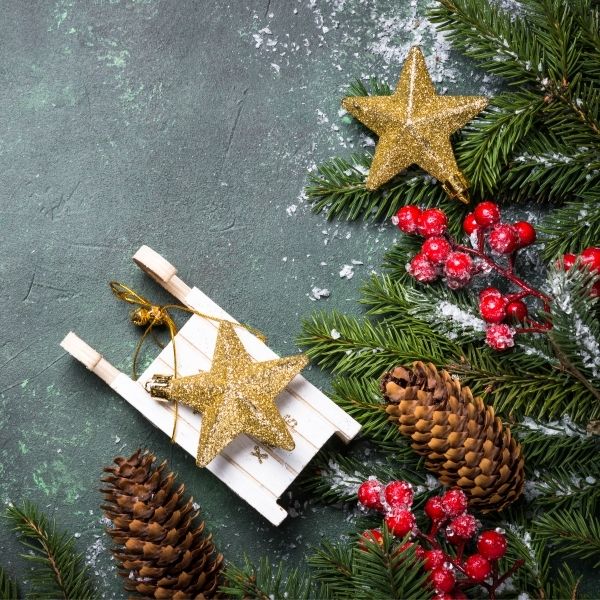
x=130, y=122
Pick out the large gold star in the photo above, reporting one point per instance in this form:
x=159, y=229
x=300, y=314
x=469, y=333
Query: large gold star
x=414, y=126
x=236, y=396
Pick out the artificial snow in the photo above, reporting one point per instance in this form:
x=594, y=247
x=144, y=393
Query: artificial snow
x=317, y=293
x=564, y=427
x=347, y=271
x=457, y=316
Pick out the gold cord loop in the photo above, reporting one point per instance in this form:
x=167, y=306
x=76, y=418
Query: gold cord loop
x=150, y=315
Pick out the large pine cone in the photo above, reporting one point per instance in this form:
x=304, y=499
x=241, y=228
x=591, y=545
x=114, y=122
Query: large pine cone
x=160, y=552
x=462, y=441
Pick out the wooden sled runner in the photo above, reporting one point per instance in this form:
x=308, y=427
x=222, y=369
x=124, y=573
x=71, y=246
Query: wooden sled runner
x=257, y=473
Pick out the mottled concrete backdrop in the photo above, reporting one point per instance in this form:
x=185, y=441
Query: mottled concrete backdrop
x=189, y=126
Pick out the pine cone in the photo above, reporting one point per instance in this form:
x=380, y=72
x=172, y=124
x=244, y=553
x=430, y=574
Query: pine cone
x=160, y=552
x=465, y=445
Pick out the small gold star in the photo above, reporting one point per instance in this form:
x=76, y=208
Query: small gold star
x=236, y=396
x=414, y=126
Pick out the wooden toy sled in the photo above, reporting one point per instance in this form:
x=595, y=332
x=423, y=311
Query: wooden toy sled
x=257, y=473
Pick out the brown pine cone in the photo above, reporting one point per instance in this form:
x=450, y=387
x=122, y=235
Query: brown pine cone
x=160, y=551
x=462, y=441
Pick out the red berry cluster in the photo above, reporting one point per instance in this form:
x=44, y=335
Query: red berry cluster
x=442, y=256
x=589, y=258
x=450, y=520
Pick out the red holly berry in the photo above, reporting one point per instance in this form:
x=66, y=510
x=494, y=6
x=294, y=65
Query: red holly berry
x=477, y=568
x=470, y=224
x=458, y=267
x=433, y=221
x=401, y=522
x=500, y=336
x=463, y=527
x=492, y=545
x=369, y=494
x=443, y=596
x=419, y=552
x=443, y=579
x=422, y=269
x=568, y=260
x=590, y=257
x=487, y=213
x=434, y=509
x=407, y=218
x=454, y=502
x=434, y=559
x=436, y=249
x=503, y=238
x=459, y=595
x=493, y=308
x=490, y=291
x=398, y=494
x=370, y=535
x=517, y=310
x=525, y=232
x=595, y=291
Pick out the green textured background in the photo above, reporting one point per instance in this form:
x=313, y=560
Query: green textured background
x=190, y=127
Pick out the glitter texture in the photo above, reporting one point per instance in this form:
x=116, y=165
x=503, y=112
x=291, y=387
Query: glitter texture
x=414, y=126
x=236, y=396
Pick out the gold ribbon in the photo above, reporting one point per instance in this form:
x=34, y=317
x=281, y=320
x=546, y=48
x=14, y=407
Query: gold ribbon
x=150, y=315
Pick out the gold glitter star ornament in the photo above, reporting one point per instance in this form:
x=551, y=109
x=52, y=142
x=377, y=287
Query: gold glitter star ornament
x=414, y=126
x=236, y=396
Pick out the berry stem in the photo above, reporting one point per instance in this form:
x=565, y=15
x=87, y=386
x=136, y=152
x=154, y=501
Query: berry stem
x=508, y=274
x=515, y=567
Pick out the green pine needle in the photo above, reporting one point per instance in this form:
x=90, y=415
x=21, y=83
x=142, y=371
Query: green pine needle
x=572, y=534
x=58, y=571
x=8, y=587
x=264, y=582
x=573, y=227
x=375, y=571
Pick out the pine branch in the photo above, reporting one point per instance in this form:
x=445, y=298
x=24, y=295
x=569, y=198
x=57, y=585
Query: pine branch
x=551, y=171
x=60, y=571
x=266, y=583
x=541, y=393
x=333, y=478
x=573, y=227
x=348, y=345
x=489, y=141
x=566, y=489
x=572, y=534
x=375, y=572
x=533, y=576
x=552, y=444
x=575, y=333
x=8, y=587
x=361, y=399
x=373, y=88
x=452, y=315
x=338, y=187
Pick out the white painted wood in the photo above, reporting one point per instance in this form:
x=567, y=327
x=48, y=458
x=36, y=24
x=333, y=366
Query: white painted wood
x=91, y=359
x=257, y=473
x=241, y=481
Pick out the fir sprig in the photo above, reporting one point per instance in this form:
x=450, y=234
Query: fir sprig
x=573, y=227
x=264, y=582
x=8, y=587
x=349, y=345
x=59, y=570
x=571, y=533
x=374, y=572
